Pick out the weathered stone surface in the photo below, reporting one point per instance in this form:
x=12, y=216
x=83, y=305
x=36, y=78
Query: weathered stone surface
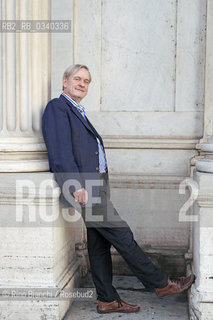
x=39, y=256
x=131, y=290
x=201, y=297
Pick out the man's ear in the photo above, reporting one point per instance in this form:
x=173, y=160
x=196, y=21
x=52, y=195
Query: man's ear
x=64, y=82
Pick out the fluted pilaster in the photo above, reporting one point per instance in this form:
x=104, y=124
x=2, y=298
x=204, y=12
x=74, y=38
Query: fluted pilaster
x=25, y=81
x=206, y=146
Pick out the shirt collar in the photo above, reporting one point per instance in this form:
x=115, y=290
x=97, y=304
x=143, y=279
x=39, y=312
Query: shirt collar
x=76, y=104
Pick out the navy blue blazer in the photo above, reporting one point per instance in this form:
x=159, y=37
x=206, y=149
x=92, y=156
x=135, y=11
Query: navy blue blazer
x=71, y=142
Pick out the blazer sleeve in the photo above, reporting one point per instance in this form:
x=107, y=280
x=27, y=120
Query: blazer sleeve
x=57, y=135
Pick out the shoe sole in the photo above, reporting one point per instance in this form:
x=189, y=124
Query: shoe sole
x=187, y=287
x=120, y=311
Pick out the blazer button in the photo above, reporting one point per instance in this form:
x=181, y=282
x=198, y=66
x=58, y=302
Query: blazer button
x=97, y=168
x=96, y=152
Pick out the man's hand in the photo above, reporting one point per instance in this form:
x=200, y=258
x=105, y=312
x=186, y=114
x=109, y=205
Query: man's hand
x=81, y=196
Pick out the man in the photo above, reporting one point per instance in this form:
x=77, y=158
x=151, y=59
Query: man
x=75, y=149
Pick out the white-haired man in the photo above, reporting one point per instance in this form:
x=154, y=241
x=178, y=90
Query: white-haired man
x=75, y=147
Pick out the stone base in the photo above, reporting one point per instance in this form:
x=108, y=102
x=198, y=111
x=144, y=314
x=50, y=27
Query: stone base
x=201, y=295
x=23, y=154
x=201, y=306
x=27, y=309
x=170, y=261
x=37, y=248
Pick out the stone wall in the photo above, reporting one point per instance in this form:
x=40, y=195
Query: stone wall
x=146, y=98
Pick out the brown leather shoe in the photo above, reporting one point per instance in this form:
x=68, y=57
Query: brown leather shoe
x=176, y=286
x=116, y=306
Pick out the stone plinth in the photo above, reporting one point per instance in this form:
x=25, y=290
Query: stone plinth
x=201, y=296
x=37, y=245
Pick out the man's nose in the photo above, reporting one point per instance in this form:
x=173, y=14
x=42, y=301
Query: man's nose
x=81, y=83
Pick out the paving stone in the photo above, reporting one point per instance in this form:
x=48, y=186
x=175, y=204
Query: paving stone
x=173, y=307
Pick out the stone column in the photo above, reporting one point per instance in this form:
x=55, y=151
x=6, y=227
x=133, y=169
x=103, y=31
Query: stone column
x=34, y=253
x=201, y=296
x=25, y=82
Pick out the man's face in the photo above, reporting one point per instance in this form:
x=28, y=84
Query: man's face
x=76, y=86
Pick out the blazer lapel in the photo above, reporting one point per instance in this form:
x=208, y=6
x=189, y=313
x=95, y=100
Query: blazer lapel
x=95, y=132
x=77, y=113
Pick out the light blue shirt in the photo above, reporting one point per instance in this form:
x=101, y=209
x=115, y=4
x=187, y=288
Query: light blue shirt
x=102, y=156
